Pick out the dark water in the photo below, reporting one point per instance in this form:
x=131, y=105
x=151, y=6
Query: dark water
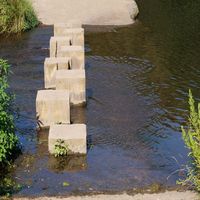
x=137, y=83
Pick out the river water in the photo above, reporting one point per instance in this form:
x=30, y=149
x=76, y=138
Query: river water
x=137, y=85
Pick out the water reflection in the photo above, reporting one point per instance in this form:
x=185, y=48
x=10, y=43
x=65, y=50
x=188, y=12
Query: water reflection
x=67, y=164
x=162, y=51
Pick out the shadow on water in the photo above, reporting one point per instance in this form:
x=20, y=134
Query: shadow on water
x=137, y=83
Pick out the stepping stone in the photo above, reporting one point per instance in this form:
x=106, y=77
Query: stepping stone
x=58, y=28
x=76, y=34
x=52, y=107
x=73, y=135
x=51, y=65
x=56, y=43
x=76, y=53
x=74, y=82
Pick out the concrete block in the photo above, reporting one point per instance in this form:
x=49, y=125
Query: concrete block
x=52, y=107
x=74, y=136
x=76, y=53
x=74, y=82
x=76, y=34
x=58, y=28
x=56, y=43
x=51, y=65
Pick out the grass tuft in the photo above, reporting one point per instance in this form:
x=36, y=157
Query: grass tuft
x=191, y=137
x=17, y=16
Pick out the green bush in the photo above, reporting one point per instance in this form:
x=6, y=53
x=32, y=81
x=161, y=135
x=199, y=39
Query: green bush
x=16, y=16
x=191, y=137
x=8, y=139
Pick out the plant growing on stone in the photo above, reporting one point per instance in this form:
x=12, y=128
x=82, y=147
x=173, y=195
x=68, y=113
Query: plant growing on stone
x=191, y=137
x=60, y=148
x=8, y=139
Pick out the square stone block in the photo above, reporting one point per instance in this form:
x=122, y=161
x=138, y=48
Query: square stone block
x=56, y=43
x=74, y=82
x=52, y=107
x=73, y=135
x=51, y=65
x=76, y=34
x=76, y=53
x=58, y=28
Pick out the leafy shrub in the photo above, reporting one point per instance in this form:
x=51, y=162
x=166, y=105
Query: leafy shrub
x=60, y=148
x=191, y=137
x=9, y=186
x=8, y=139
x=16, y=16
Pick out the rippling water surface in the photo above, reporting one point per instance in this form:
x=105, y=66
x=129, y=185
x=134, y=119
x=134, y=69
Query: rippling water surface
x=137, y=83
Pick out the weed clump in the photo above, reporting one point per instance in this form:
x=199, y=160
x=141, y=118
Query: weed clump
x=60, y=148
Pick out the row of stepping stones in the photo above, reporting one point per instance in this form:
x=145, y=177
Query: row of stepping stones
x=65, y=85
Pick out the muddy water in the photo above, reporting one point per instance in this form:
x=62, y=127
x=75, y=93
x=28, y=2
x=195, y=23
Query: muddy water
x=137, y=83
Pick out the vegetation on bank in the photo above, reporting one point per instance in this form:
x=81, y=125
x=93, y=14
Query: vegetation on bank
x=16, y=16
x=191, y=137
x=8, y=139
x=8, y=186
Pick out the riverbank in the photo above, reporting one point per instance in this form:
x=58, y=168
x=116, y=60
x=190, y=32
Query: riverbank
x=90, y=12
x=188, y=195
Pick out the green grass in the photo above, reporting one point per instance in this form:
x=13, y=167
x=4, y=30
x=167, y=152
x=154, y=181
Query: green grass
x=16, y=16
x=191, y=137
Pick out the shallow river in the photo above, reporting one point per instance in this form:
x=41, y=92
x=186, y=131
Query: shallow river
x=137, y=83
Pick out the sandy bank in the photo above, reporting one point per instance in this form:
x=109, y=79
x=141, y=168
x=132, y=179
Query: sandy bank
x=161, y=196
x=90, y=12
